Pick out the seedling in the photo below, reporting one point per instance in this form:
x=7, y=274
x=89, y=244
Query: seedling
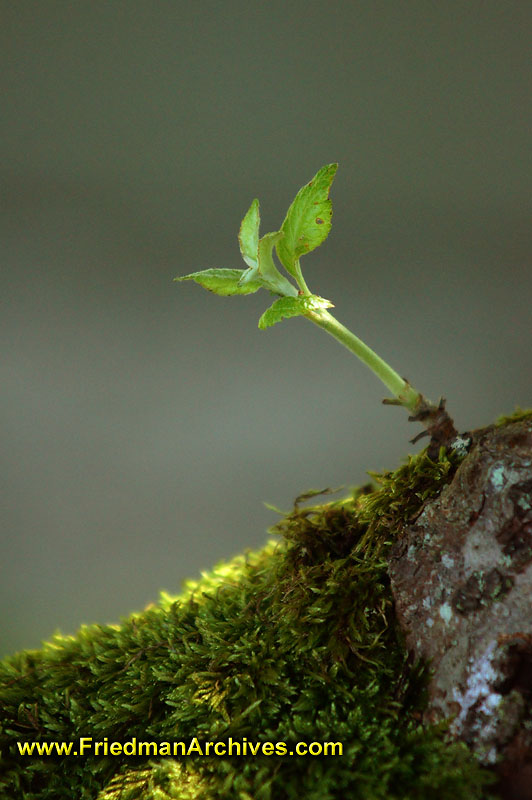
x=305, y=227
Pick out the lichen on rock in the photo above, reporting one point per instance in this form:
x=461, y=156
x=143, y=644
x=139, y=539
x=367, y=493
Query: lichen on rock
x=462, y=581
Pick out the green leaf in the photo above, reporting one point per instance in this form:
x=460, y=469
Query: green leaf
x=223, y=281
x=292, y=307
x=308, y=220
x=283, y=308
x=248, y=236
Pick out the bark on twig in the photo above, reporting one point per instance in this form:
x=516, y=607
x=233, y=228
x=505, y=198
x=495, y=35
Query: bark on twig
x=439, y=426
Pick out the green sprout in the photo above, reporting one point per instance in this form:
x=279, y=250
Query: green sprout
x=305, y=227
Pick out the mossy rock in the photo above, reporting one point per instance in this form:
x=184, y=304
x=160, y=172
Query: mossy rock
x=294, y=643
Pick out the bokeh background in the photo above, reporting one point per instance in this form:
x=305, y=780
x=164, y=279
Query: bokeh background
x=144, y=422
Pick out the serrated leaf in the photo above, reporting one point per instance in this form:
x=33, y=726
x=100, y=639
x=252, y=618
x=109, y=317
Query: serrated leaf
x=224, y=282
x=283, y=308
x=292, y=307
x=308, y=220
x=248, y=236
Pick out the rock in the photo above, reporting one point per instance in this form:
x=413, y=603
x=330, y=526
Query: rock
x=461, y=578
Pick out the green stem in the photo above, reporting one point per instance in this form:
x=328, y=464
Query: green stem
x=300, y=279
x=405, y=393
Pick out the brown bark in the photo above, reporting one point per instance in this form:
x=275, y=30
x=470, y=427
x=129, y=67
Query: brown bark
x=462, y=582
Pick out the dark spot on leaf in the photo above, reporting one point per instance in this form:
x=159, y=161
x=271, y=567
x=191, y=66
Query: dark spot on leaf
x=319, y=221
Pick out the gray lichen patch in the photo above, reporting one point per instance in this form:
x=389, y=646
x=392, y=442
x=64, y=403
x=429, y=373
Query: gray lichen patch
x=461, y=445
x=446, y=612
x=497, y=477
x=478, y=703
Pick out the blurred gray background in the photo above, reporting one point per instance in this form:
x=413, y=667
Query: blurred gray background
x=144, y=422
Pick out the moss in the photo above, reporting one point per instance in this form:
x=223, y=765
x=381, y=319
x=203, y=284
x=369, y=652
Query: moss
x=296, y=642
x=517, y=416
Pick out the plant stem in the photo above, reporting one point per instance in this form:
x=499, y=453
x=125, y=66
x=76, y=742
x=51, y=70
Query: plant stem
x=300, y=279
x=405, y=393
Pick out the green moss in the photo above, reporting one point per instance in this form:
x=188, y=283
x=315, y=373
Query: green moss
x=295, y=642
x=517, y=416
